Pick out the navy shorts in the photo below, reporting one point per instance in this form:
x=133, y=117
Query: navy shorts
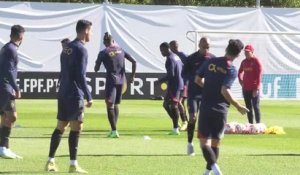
x=194, y=104
x=7, y=102
x=70, y=110
x=184, y=92
x=113, y=94
x=211, y=124
x=173, y=97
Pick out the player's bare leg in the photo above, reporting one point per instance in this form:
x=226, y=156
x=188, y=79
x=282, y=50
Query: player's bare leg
x=183, y=115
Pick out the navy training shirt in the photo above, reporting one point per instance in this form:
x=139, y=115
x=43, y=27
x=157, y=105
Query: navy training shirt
x=174, y=67
x=113, y=58
x=74, y=59
x=217, y=72
x=8, y=67
x=192, y=64
x=182, y=56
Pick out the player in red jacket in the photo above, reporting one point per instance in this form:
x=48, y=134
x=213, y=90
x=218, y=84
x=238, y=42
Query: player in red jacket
x=249, y=75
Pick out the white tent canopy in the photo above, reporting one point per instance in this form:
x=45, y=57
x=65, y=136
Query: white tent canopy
x=140, y=29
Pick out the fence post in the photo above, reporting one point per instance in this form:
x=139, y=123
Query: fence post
x=257, y=3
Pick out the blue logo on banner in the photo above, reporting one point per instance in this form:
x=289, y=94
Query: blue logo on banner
x=280, y=86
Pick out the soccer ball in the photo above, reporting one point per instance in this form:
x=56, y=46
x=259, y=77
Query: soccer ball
x=229, y=128
x=261, y=127
x=254, y=129
x=239, y=128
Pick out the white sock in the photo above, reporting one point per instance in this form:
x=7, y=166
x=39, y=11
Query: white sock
x=216, y=169
x=176, y=129
x=190, y=144
x=206, y=172
x=51, y=159
x=73, y=162
x=114, y=131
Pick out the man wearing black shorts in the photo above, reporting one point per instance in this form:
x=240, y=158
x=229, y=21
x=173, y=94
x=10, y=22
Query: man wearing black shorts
x=113, y=57
x=216, y=76
x=174, y=80
x=192, y=64
x=9, y=90
x=72, y=90
x=181, y=106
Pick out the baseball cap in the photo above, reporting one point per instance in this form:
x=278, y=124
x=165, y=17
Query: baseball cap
x=249, y=48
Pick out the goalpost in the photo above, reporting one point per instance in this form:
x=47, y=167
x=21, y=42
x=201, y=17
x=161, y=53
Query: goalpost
x=279, y=53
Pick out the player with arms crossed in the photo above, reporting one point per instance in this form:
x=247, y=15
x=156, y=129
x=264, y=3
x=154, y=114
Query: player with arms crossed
x=174, y=80
x=72, y=90
x=113, y=57
x=216, y=76
x=192, y=64
x=9, y=90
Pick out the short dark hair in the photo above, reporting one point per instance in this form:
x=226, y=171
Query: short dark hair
x=82, y=25
x=107, y=37
x=172, y=42
x=16, y=30
x=66, y=40
x=234, y=48
x=164, y=45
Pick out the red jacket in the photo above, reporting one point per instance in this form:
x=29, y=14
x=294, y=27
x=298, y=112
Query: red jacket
x=250, y=73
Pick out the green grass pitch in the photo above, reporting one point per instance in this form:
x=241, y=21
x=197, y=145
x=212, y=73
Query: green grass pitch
x=163, y=154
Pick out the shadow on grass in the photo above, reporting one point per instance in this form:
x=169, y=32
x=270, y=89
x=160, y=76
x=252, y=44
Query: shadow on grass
x=287, y=155
x=96, y=135
x=149, y=132
x=101, y=135
x=16, y=137
x=38, y=137
x=31, y=172
x=127, y=155
x=127, y=130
